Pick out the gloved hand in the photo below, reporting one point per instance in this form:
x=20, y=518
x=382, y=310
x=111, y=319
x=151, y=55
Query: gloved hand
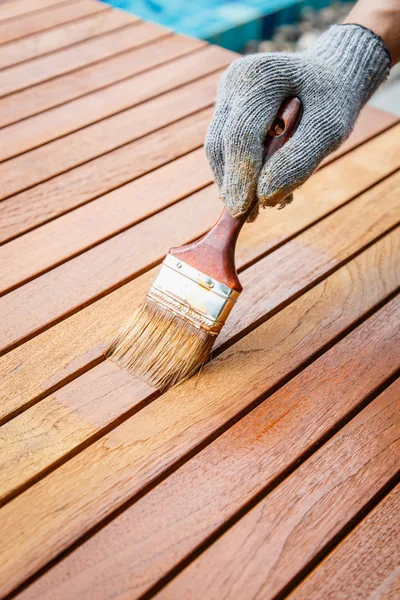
x=333, y=79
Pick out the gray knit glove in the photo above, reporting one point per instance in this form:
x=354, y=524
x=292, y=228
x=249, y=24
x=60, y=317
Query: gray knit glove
x=333, y=79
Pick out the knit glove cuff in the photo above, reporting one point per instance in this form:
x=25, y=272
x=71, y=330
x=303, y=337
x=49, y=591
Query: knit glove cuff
x=360, y=54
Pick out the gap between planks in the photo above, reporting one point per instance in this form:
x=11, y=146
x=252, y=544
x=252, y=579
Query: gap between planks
x=331, y=308
x=113, y=100
x=19, y=8
x=365, y=564
x=49, y=19
x=63, y=36
x=66, y=60
x=100, y=139
x=102, y=74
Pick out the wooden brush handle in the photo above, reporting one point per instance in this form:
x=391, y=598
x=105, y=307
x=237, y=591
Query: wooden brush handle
x=214, y=253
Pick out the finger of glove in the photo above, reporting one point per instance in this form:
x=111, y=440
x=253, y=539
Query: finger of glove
x=244, y=135
x=293, y=164
x=214, y=142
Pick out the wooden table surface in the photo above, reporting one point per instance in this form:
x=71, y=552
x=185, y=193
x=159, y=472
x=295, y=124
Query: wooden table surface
x=272, y=474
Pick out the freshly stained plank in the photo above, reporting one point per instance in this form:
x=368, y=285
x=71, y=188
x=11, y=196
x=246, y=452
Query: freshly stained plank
x=284, y=273
x=59, y=37
x=57, y=510
x=29, y=24
x=148, y=539
x=10, y=10
x=81, y=146
x=261, y=554
x=365, y=564
x=89, y=275
x=350, y=176
x=88, y=79
x=112, y=170
x=79, y=113
x=42, y=68
x=370, y=122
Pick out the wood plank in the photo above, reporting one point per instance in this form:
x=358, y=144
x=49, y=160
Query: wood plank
x=306, y=511
x=125, y=256
x=82, y=146
x=62, y=36
x=88, y=79
x=142, y=544
x=79, y=113
x=23, y=378
x=69, y=59
x=11, y=10
x=29, y=24
x=114, y=169
x=57, y=510
x=114, y=212
x=370, y=122
x=365, y=564
x=284, y=273
x=36, y=206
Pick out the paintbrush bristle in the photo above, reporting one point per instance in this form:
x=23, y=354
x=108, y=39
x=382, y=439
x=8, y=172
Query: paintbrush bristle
x=159, y=347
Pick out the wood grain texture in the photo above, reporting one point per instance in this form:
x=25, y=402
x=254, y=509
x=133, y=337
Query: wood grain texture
x=62, y=36
x=370, y=122
x=259, y=555
x=113, y=212
x=365, y=564
x=63, y=61
x=149, y=538
x=108, y=172
x=24, y=377
x=82, y=112
x=10, y=10
x=348, y=177
x=88, y=79
x=84, y=278
x=69, y=501
x=82, y=146
x=284, y=273
x=29, y=24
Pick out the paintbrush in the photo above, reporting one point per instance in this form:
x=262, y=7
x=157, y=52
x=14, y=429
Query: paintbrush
x=171, y=335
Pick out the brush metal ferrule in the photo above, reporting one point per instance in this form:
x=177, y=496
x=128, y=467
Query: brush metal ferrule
x=193, y=296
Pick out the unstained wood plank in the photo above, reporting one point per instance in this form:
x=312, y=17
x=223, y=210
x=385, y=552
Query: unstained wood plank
x=79, y=113
x=59, y=14
x=68, y=59
x=108, y=172
x=270, y=545
x=57, y=510
x=82, y=146
x=365, y=564
x=65, y=88
x=62, y=36
x=284, y=274
x=10, y=10
x=129, y=555
x=101, y=269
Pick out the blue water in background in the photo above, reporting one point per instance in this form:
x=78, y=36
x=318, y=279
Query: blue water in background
x=229, y=23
